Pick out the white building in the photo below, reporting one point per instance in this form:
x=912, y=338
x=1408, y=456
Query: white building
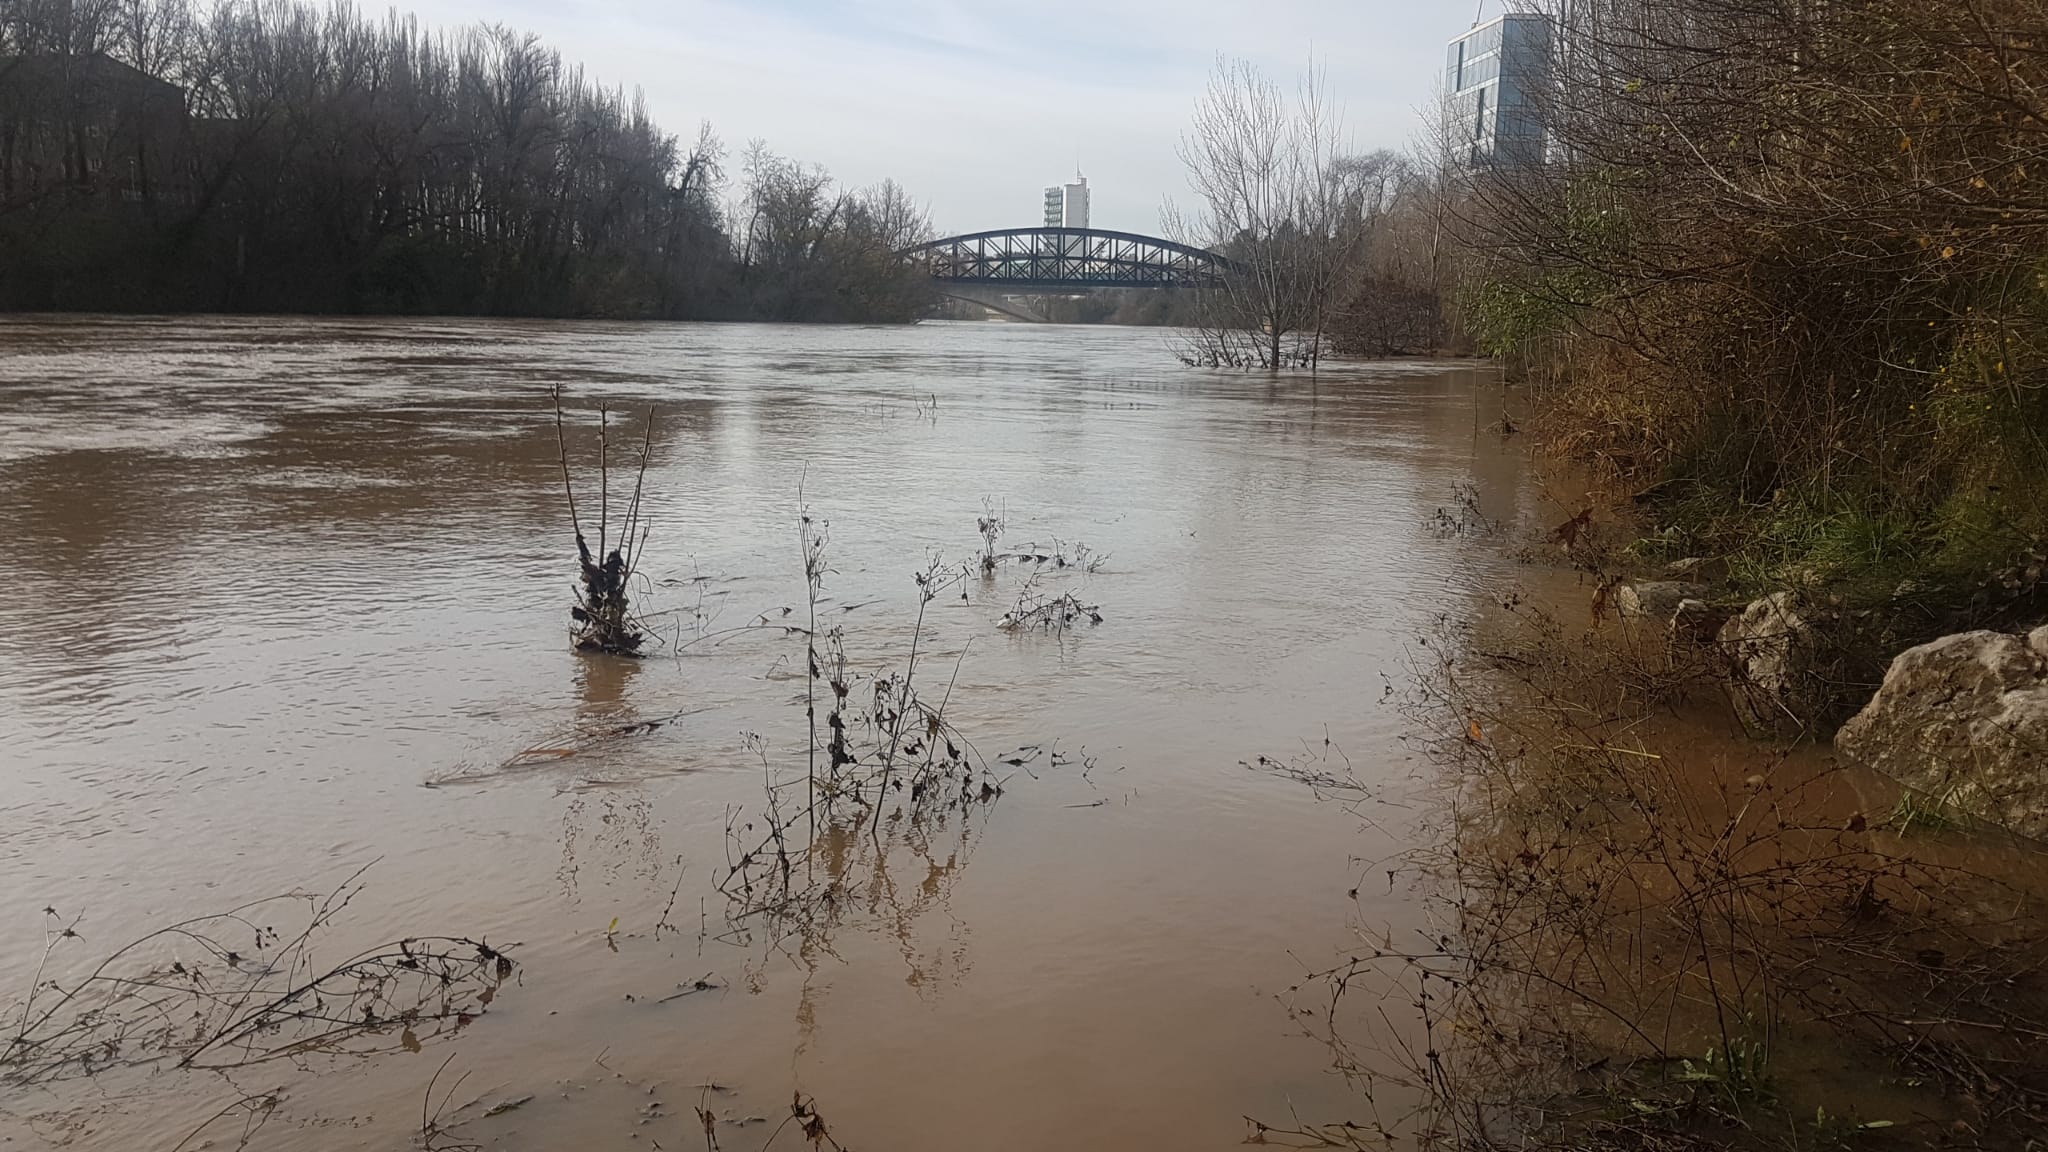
x=1066, y=205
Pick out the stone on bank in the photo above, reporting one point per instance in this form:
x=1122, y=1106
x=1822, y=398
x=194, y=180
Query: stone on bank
x=1774, y=664
x=1964, y=719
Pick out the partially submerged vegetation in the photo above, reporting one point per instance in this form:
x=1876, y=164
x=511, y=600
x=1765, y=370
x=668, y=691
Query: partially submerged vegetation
x=883, y=769
x=1329, y=251
x=603, y=617
x=1650, y=940
x=886, y=784
x=1039, y=611
x=231, y=990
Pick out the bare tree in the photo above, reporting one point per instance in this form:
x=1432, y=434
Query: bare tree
x=1273, y=197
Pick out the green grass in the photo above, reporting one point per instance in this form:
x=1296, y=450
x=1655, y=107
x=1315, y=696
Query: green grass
x=1739, y=1070
x=1917, y=813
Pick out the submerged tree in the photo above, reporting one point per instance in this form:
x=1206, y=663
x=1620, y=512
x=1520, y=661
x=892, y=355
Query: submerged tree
x=1274, y=196
x=603, y=615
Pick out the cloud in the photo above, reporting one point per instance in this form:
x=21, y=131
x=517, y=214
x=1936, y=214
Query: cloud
x=976, y=107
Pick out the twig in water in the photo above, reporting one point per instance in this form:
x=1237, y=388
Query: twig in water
x=433, y=1134
x=257, y=1109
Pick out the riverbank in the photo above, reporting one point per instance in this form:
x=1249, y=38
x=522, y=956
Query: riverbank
x=1663, y=924
x=1798, y=330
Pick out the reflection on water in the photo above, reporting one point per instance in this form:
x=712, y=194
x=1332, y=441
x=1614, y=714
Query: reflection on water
x=272, y=579
x=603, y=687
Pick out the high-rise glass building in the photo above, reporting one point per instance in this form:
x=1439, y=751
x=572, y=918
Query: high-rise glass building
x=1496, y=77
x=1066, y=205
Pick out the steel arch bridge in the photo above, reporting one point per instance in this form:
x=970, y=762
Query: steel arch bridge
x=1055, y=258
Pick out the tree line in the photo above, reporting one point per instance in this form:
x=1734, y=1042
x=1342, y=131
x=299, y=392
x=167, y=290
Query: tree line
x=273, y=156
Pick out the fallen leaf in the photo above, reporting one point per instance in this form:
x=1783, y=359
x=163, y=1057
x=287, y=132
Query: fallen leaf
x=1568, y=533
x=1601, y=594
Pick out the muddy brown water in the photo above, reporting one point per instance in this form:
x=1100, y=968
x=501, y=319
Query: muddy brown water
x=283, y=597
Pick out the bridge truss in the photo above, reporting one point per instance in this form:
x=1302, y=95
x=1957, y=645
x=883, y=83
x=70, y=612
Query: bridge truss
x=1054, y=258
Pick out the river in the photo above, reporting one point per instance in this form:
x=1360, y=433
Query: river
x=287, y=599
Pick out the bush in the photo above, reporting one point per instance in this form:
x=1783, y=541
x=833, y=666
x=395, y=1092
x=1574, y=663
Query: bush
x=1789, y=273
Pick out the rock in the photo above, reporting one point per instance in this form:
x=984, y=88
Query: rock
x=1655, y=599
x=1697, y=570
x=1696, y=621
x=1772, y=654
x=1965, y=720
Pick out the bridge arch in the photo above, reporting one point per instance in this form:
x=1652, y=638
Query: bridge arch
x=1055, y=258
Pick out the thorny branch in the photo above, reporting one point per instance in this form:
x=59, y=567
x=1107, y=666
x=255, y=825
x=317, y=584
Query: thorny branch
x=230, y=990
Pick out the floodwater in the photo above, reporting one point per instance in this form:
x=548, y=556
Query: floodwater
x=287, y=599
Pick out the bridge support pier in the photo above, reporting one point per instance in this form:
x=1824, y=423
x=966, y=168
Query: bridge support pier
x=993, y=298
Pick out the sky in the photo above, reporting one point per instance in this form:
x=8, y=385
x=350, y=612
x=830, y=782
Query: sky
x=975, y=106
